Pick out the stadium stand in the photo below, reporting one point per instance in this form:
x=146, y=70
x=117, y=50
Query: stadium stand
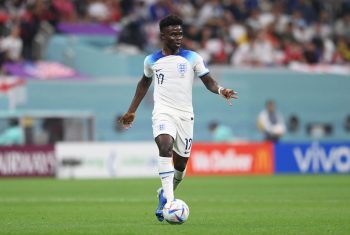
x=94, y=38
x=278, y=32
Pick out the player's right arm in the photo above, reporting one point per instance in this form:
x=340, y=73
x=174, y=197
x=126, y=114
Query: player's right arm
x=202, y=71
x=213, y=86
x=141, y=90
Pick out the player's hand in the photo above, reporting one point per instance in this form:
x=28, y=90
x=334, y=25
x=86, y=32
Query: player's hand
x=229, y=94
x=127, y=119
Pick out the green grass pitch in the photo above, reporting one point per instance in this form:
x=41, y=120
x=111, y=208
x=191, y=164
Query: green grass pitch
x=218, y=205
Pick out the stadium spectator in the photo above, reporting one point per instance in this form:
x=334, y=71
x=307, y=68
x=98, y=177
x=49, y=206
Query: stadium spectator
x=213, y=46
x=237, y=9
x=65, y=9
x=322, y=27
x=251, y=4
x=293, y=52
x=220, y=132
x=280, y=19
x=311, y=53
x=287, y=34
x=160, y=9
x=15, y=7
x=293, y=124
x=237, y=32
x=343, y=49
x=253, y=21
x=4, y=19
x=318, y=130
x=13, y=135
x=115, y=11
x=209, y=12
x=258, y=51
x=186, y=10
x=191, y=37
x=131, y=39
x=342, y=26
x=81, y=9
x=126, y=7
x=54, y=129
x=271, y=123
x=49, y=13
x=301, y=32
x=307, y=11
x=11, y=46
x=347, y=124
x=103, y=11
x=30, y=23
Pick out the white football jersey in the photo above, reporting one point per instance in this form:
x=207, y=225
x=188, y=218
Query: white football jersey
x=173, y=78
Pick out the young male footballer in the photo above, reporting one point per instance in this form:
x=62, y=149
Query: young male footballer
x=173, y=70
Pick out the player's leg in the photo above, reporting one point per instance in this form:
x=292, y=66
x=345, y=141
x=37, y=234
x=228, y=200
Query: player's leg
x=182, y=148
x=179, y=168
x=164, y=132
x=165, y=144
x=166, y=172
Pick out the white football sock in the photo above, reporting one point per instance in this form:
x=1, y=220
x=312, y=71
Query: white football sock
x=166, y=173
x=178, y=176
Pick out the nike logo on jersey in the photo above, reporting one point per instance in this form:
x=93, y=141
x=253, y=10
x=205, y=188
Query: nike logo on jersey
x=157, y=70
x=186, y=152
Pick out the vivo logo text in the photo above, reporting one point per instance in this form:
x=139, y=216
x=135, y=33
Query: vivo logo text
x=316, y=159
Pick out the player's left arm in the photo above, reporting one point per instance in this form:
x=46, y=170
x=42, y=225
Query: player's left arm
x=213, y=86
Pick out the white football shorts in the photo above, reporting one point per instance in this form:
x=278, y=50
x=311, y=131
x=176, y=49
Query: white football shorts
x=180, y=128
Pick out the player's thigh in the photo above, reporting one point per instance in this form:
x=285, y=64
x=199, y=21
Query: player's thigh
x=164, y=133
x=163, y=124
x=184, y=138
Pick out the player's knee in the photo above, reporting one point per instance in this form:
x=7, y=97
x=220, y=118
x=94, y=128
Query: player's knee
x=165, y=151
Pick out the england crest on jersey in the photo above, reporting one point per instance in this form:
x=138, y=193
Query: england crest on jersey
x=182, y=67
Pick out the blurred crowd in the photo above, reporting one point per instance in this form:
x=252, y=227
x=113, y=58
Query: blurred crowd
x=235, y=32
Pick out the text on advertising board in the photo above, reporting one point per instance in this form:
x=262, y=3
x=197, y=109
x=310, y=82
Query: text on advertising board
x=27, y=161
x=313, y=158
x=244, y=158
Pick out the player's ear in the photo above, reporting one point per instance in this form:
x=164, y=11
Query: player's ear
x=162, y=36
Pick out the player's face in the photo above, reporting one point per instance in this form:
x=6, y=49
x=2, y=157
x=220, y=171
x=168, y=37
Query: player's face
x=172, y=37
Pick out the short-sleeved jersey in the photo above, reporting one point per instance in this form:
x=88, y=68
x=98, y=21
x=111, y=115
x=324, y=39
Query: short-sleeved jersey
x=173, y=78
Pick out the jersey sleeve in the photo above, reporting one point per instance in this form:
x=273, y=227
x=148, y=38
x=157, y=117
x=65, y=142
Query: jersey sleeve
x=200, y=69
x=147, y=69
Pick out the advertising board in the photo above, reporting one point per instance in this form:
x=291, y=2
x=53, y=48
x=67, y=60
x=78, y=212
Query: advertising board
x=227, y=159
x=27, y=161
x=106, y=160
x=312, y=158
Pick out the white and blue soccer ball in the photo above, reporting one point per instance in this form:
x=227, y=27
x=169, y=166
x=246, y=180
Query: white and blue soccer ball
x=176, y=212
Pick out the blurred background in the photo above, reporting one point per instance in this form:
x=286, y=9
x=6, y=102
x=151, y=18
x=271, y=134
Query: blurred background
x=69, y=70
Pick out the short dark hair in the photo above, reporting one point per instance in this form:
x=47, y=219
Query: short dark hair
x=168, y=21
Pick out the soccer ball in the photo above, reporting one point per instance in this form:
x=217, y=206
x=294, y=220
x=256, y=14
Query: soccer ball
x=176, y=212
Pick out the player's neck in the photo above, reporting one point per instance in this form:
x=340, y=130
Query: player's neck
x=168, y=51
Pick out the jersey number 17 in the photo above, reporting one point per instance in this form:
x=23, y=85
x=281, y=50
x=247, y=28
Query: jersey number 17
x=160, y=78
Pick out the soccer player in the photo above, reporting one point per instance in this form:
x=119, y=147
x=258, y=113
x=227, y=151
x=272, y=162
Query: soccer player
x=173, y=70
